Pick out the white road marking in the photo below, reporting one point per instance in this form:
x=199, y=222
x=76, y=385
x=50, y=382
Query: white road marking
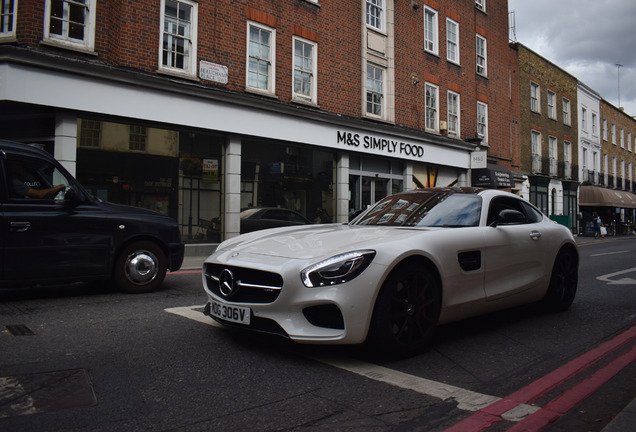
x=610, y=253
x=467, y=400
x=624, y=281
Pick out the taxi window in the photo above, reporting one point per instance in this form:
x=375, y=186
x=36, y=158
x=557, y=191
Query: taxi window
x=24, y=174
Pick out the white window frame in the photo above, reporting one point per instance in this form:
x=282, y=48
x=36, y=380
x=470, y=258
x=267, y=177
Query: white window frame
x=311, y=71
x=629, y=141
x=567, y=119
x=584, y=119
x=8, y=20
x=372, y=84
x=189, y=68
x=553, y=154
x=535, y=97
x=482, y=121
x=452, y=41
x=376, y=11
x=481, y=55
x=535, y=139
x=567, y=159
x=431, y=30
x=622, y=138
x=270, y=60
x=605, y=130
x=431, y=103
x=86, y=44
x=594, y=123
x=453, y=108
x=551, y=105
x=614, y=133
x=481, y=5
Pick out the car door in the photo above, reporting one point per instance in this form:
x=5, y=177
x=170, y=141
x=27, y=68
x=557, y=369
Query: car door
x=48, y=239
x=515, y=253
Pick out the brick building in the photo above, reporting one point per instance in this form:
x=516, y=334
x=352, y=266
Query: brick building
x=200, y=109
x=548, y=134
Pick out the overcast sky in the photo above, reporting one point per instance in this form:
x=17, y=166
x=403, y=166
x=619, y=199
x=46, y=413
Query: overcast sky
x=586, y=38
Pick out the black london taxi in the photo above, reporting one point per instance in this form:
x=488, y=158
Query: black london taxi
x=52, y=231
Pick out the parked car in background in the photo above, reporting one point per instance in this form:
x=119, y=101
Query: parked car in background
x=53, y=231
x=409, y=263
x=258, y=218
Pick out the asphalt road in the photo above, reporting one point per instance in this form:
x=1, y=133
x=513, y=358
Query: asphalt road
x=84, y=357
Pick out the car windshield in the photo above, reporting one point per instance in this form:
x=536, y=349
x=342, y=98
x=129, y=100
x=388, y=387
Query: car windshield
x=425, y=209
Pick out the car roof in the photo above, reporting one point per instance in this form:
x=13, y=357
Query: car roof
x=22, y=148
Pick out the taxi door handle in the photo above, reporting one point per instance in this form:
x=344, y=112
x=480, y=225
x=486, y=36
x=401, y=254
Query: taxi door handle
x=20, y=226
x=535, y=235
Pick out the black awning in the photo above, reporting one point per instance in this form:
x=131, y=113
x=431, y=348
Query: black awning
x=493, y=176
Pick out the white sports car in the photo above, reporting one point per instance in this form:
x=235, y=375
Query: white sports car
x=409, y=263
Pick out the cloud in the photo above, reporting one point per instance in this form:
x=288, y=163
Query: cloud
x=586, y=38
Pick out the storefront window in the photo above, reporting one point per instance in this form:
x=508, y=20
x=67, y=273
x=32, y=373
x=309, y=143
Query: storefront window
x=178, y=173
x=288, y=176
x=370, y=180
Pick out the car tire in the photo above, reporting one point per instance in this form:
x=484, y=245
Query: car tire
x=563, y=281
x=406, y=311
x=140, y=267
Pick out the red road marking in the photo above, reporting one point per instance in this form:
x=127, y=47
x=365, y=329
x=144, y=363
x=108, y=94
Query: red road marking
x=491, y=414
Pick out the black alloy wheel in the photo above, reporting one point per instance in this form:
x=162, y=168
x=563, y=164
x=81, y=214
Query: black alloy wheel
x=563, y=282
x=407, y=311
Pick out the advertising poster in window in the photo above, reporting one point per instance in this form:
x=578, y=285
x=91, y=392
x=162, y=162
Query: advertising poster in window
x=210, y=170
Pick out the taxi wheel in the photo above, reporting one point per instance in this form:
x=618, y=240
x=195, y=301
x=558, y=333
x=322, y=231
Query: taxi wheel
x=140, y=267
x=406, y=312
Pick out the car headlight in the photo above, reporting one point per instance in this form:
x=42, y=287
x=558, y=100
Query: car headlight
x=337, y=269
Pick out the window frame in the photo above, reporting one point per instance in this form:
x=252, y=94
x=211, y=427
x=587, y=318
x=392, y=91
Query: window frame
x=373, y=91
x=190, y=61
x=481, y=5
x=296, y=96
x=614, y=133
x=552, y=105
x=87, y=44
x=536, y=150
x=434, y=31
x=450, y=114
x=584, y=119
x=605, y=131
x=380, y=7
x=567, y=110
x=535, y=97
x=450, y=42
x=271, y=61
x=483, y=136
x=9, y=19
x=479, y=55
x=431, y=108
x=138, y=139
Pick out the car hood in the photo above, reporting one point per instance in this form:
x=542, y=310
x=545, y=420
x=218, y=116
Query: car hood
x=314, y=241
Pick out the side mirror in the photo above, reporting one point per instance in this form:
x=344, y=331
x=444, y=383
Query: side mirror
x=72, y=195
x=509, y=217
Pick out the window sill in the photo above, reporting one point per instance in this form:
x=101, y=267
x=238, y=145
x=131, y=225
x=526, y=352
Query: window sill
x=177, y=73
x=260, y=92
x=307, y=103
x=68, y=46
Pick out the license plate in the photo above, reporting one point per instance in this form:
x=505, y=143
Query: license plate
x=236, y=314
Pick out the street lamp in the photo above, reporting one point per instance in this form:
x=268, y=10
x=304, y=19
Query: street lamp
x=618, y=69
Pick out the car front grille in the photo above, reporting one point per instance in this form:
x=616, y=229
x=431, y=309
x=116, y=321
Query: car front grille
x=250, y=285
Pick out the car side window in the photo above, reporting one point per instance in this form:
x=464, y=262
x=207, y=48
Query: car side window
x=503, y=203
x=532, y=213
x=24, y=174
